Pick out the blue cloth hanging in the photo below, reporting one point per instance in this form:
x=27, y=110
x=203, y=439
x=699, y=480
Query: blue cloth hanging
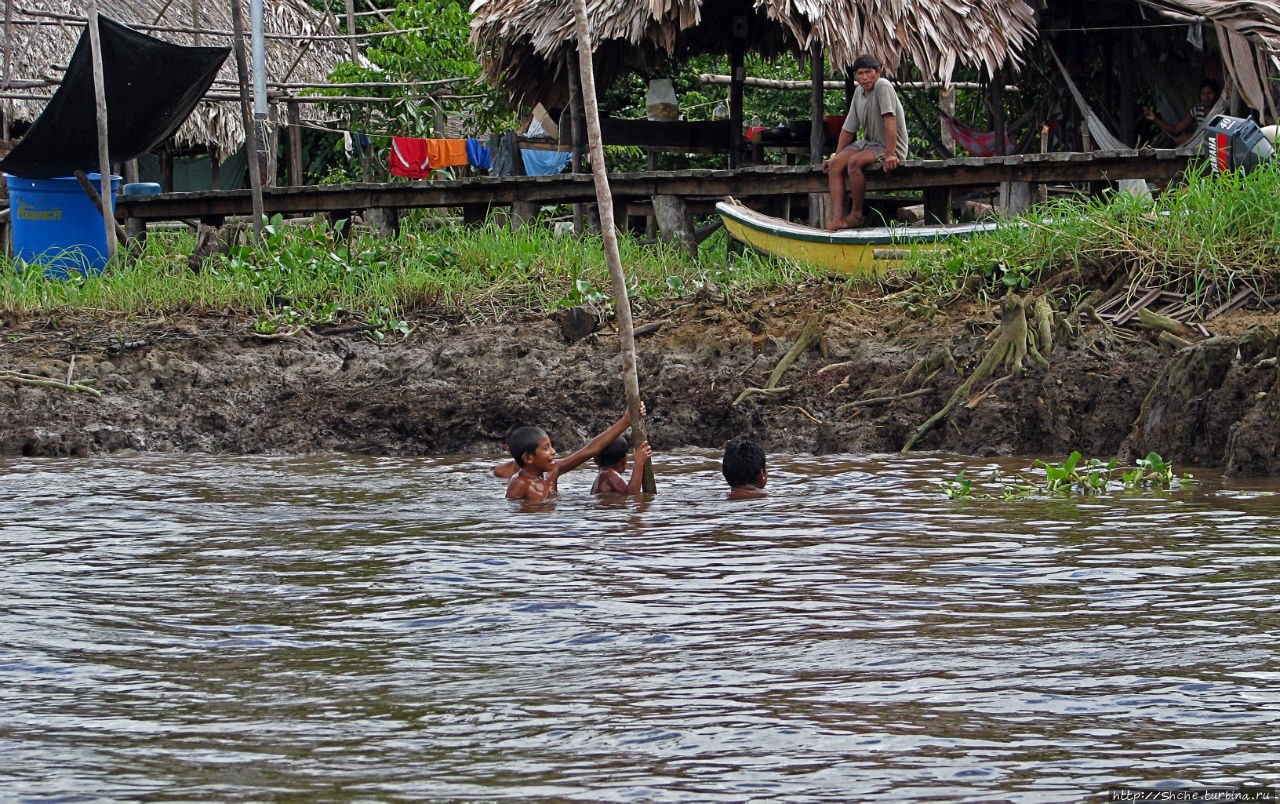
x=543, y=163
x=479, y=156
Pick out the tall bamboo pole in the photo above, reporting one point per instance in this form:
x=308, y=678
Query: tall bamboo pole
x=246, y=115
x=104, y=156
x=604, y=200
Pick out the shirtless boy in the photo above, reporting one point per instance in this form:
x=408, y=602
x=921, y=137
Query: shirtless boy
x=612, y=461
x=540, y=469
x=743, y=468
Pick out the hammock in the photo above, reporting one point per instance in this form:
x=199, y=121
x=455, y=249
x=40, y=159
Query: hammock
x=977, y=143
x=1105, y=139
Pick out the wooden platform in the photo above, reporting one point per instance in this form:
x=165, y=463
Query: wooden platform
x=526, y=193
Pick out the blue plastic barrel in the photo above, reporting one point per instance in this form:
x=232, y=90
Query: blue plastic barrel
x=56, y=225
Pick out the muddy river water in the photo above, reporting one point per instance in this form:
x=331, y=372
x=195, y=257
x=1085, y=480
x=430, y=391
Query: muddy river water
x=341, y=628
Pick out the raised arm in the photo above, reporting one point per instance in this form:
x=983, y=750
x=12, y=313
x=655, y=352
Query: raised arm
x=596, y=444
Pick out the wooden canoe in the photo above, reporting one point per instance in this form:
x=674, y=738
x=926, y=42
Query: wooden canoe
x=848, y=251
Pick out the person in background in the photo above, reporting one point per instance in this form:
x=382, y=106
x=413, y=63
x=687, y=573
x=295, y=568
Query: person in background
x=1187, y=127
x=876, y=110
x=743, y=468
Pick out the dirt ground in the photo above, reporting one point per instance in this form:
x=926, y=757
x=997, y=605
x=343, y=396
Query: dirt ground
x=209, y=384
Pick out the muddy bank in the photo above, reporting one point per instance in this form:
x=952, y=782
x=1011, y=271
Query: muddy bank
x=877, y=370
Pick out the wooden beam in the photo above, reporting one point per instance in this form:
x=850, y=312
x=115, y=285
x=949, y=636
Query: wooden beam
x=693, y=185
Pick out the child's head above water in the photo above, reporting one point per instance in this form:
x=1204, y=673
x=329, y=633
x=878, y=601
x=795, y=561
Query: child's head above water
x=614, y=453
x=743, y=463
x=523, y=441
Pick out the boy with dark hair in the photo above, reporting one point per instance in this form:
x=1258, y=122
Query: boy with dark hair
x=612, y=461
x=743, y=468
x=507, y=469
x=540, y=469
x=876, y=110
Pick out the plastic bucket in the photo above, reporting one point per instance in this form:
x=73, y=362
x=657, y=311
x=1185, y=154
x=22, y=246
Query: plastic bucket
x=56, y=225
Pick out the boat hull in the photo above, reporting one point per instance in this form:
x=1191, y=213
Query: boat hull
x=849, y=251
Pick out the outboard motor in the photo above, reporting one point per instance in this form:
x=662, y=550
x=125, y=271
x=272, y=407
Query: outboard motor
x=1236, y=143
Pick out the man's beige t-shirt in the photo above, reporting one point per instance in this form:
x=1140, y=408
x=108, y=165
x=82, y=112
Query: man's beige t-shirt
x=868, y=110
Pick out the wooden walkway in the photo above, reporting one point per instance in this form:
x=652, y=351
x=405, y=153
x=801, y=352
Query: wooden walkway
x=527, y=193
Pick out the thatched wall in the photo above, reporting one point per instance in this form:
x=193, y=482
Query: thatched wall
x=45, y=32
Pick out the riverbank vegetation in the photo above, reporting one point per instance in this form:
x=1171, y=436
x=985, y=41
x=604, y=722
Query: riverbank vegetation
x=1207, y=238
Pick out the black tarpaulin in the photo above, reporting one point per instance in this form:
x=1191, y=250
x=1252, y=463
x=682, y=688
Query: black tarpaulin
x=151, y=87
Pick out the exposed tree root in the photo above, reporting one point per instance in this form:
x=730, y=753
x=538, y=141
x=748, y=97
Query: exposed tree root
x=809, y=335
x=1012, y=345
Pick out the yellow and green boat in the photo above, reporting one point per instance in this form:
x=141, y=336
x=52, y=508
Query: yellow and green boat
x=848, y=251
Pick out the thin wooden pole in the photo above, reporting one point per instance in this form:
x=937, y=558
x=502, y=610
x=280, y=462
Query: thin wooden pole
x=351, y=30
x=604, y=200
x=246, y=116
x=104, y=158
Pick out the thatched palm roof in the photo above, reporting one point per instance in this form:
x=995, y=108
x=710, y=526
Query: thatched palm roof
x=521, y=41
x=32, y=48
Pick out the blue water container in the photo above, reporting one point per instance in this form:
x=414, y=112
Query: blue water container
x=56, y=225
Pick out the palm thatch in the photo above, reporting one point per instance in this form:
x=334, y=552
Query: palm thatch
x=45, y=32
x=1256, y=20
x=522, y=42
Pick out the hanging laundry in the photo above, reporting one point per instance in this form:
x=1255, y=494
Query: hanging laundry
x=505, y=162
x=409, y=158
x=446, y=153
x=977, y=143
x=478, y=156
x=543, y=163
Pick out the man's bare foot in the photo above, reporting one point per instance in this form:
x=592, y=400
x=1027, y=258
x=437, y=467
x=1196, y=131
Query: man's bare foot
x=853, y=222
x=837, y=224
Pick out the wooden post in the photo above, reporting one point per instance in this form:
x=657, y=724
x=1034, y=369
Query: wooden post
x=246, y=117
x=818, y=133
x=738, y=71
x=104, y=160
x=351, y=31
x=947, y=103
x=604, y=200
x=293, y=117
x=575, y=129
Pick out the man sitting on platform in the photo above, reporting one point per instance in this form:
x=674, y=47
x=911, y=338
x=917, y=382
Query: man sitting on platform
x=877, y=111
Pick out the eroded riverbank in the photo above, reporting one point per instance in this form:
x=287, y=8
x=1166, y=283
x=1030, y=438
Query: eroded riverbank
x=875, y=372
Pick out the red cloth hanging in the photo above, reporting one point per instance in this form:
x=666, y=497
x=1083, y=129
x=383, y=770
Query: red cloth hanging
x=409, y=157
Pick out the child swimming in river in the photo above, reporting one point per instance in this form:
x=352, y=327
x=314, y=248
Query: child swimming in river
x=743, y=468
x=540, y=469
x=612, y=461
x=507, y=469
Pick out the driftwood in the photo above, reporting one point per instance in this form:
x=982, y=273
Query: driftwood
x=1011, y=347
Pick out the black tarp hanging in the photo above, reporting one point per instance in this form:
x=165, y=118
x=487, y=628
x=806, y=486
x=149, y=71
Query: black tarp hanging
x=151, y=88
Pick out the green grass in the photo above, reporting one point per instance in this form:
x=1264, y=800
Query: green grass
x=1219, y=232
x=1213, y=231
x=313, y=271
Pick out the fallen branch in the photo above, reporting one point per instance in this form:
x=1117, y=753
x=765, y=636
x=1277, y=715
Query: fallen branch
x=880, y=400
x=17, y=378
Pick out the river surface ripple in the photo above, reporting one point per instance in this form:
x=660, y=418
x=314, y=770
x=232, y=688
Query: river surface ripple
x=343, y=628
